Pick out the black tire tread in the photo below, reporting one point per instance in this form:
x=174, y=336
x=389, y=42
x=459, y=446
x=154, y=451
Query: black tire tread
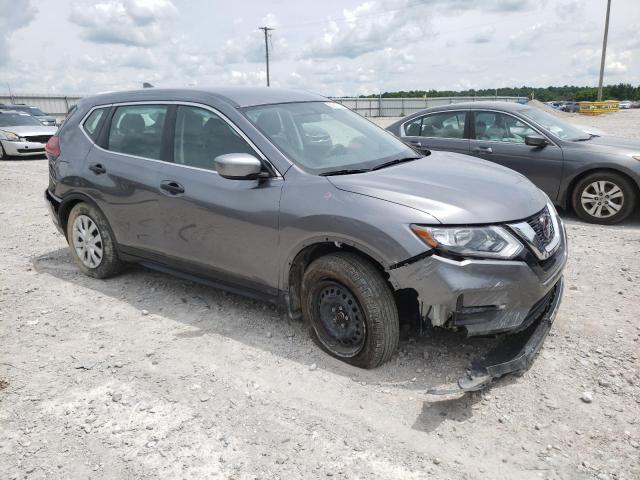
x=374, y=295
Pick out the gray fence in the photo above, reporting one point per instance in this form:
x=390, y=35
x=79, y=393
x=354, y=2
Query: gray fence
x=399, y=107
x=56, y=105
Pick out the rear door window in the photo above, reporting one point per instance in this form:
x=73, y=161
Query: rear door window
x=437, y=125
x=137, y=130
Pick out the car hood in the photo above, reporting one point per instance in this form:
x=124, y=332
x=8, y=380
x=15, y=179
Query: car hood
x=631, y=144
x=30, y=130
x=453, y=188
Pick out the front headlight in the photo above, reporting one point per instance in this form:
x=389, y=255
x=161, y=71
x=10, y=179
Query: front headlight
x=12, y=137
x=479, y=242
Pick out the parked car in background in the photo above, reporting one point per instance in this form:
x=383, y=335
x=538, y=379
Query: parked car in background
x=625, y=104
x=289, y=197
x=22, y=135
x=570, y=107
x=42, y=117
x=599, y=176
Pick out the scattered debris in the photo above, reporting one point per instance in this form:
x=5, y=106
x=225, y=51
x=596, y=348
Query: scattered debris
x=86, y=364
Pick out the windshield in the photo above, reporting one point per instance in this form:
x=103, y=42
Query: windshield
x=36, y=112
x=554, y=125
x=17, y=120
x=325, y=137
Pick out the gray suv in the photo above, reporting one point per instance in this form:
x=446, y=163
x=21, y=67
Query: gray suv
x=286, y=196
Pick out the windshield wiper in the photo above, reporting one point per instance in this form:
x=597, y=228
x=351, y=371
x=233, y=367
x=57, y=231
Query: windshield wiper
x=395, y=161
x=344, y=172
x=591, y=135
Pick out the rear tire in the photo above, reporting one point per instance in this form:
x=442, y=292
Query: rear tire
x=350, y=309
x=604, y=198
x=3, y=155
x=91, y=242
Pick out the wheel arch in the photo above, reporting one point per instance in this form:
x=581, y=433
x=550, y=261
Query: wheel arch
x=70, y=201
x=311, y=250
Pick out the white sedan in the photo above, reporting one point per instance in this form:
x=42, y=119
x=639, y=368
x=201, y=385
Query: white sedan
x=22, y=135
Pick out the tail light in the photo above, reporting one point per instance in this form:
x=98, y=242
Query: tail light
x=53, y=147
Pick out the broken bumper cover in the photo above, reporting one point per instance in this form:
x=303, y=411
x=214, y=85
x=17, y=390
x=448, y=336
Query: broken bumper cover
x=516, y=352
x=484, y=297
x=487, y=297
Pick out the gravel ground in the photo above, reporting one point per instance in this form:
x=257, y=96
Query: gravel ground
x=147, y=376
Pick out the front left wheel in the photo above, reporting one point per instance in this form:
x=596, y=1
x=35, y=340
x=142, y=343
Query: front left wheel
x=351, y=309
x=91, y=242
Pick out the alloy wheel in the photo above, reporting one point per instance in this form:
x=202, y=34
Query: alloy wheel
x=87, y=241
x=602, y=199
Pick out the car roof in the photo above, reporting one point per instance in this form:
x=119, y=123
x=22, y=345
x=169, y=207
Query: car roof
x=493, y=105
x=235, y=96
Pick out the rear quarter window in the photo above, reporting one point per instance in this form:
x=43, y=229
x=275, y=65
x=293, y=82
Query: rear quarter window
x=92, y=123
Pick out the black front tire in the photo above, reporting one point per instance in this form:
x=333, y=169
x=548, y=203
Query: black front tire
x=587, y=186
x=110, y=265
x=363, y=283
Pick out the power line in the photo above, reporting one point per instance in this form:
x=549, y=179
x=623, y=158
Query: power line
x=266, y=47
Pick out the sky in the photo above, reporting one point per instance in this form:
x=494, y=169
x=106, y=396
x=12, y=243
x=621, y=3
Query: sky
x=330, y=47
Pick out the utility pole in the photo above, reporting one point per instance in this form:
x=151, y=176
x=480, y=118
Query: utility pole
x=266, y=47
x=604, y=50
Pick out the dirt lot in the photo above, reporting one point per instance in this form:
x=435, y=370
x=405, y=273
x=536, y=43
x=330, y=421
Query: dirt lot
x=148, y=376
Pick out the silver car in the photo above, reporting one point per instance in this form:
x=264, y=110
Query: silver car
x=289, y=197
x=22, y=135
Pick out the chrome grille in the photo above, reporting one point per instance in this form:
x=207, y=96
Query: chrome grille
x=543, y=226
x=541, y=232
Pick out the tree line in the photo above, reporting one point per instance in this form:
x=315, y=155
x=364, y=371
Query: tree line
x=621, y=91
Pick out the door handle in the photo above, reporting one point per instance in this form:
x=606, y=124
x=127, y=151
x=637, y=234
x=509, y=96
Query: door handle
x=174, y=188
x=482, y=150
x=415, y=143
x=97, y=168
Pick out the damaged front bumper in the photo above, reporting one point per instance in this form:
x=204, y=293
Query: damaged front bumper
x=515, y=352
x=486, y=297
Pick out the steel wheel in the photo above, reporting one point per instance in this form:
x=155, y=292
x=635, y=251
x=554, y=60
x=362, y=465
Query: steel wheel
x=602, y=199
x=87, y=241
x=341, y=327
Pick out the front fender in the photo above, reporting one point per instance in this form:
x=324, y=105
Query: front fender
x=571, y=174
x=314, y=211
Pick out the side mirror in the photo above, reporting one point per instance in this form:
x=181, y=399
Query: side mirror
x=238, y=166
x=535, y=141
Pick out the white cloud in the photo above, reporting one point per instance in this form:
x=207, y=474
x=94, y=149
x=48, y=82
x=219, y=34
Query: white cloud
x=14, y=14
x=124, y=22
x=331, y=47
x=484, y=35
